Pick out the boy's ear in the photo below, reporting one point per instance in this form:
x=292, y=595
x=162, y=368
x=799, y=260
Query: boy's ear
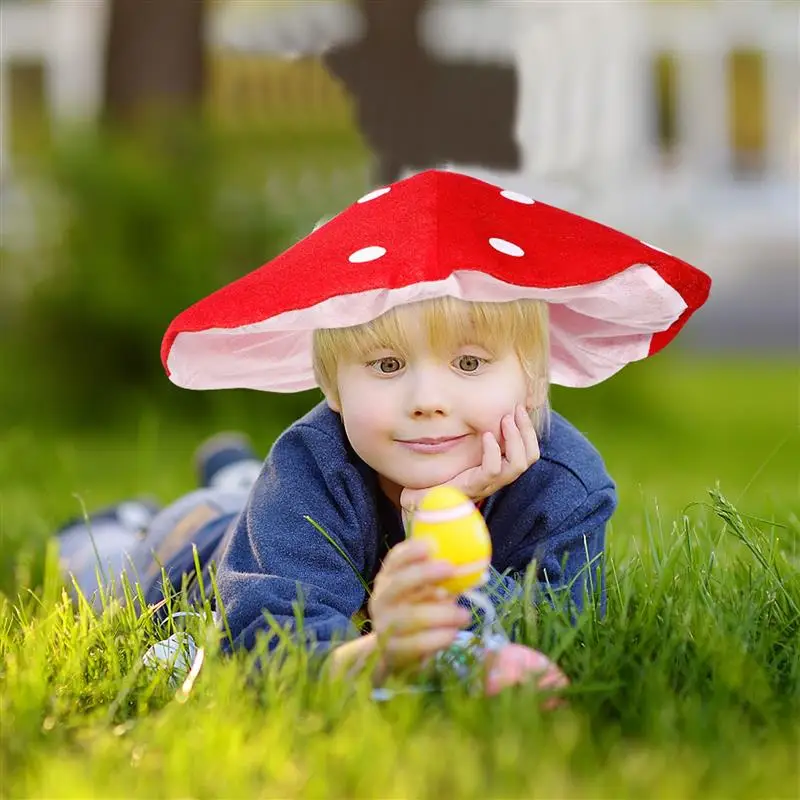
x=332, y=401
x=537, y=393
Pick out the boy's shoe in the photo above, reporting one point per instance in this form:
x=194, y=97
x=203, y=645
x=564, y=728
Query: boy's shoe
x=227, y=461
x=98, y=549
x=133, y=516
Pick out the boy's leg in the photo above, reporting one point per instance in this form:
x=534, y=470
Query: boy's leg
x=174, y=528
x=227, y=461
x=138, y=544
x=102, y=542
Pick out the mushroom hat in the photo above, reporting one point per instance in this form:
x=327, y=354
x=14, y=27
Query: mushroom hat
x=612, y=298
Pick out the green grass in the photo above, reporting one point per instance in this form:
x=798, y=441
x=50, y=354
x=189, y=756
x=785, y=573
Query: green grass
x=689, y=687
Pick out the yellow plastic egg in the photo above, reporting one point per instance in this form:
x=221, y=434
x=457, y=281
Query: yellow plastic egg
x=450, y=520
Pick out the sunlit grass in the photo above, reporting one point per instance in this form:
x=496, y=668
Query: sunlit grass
x=688, y=687
x=696, y=664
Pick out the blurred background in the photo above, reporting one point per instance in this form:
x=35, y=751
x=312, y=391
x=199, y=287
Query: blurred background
x=152, y=151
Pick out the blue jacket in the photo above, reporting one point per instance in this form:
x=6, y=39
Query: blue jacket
x=555, y=513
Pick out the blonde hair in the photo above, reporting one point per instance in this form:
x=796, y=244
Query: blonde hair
x=518, y=325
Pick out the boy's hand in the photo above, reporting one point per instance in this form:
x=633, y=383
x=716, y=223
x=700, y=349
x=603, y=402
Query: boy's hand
x=496, y=469
x=412, y=617
x=515, y=664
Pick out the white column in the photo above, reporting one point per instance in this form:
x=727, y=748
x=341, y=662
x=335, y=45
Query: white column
x=703, y=126
x=583, y=88
x=75, y=58
x=783, y=115
x=590, y=48
x=5, y=144
x=615, y=128
x=541, y=76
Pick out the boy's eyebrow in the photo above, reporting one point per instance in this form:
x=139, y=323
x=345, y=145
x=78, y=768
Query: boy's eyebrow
x=381, y=344
x=469, y=341
x=371, y=349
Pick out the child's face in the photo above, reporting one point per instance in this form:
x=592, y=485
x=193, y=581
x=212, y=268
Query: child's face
x=389, y=401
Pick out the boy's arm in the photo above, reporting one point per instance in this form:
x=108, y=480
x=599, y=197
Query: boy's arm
x=568, y=555
x=352, y=656
x=278, y=565
x=571, y=556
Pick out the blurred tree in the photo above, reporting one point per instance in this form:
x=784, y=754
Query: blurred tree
x=154, y=58
x=747, y=110
x=665, y=97
x=415, y=111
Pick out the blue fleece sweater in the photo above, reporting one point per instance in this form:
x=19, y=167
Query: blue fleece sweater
x=555, y=513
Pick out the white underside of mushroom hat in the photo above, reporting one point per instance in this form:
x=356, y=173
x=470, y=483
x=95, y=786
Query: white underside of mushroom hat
x=595, y=330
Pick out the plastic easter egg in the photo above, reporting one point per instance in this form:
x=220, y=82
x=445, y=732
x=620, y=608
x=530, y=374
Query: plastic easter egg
x=450, y=520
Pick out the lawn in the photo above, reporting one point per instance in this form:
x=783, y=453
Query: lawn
x=689, y=687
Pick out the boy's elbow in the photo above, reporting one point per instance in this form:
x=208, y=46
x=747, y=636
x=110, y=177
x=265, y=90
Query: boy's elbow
x=577, y=577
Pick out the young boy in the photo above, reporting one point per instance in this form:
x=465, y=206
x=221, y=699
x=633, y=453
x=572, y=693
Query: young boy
x=437, y=392
x=429, y=390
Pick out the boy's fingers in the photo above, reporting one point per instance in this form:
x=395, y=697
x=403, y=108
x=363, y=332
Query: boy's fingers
x=419, y=645
x=408, y=580
x=516, y=454
x=429, y=594
x=492, y=462
x=471, y=567
x=529, y=437
x=552, y=703
x=553, y=678
x=407, y=552
x=410, y=619
x=409, y=499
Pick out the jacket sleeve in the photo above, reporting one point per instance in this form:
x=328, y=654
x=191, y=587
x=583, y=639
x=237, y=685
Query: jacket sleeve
x=568, y=554
x=278, y=565
x=570, y=558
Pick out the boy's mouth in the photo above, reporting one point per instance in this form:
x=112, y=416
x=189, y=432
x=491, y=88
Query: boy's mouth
x=432, y=445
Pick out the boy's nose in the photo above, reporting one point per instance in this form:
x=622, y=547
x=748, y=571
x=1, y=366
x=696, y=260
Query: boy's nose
x=430, y=410
x=428, y=397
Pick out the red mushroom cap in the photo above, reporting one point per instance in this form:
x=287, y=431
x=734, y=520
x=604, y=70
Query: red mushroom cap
x=613, y=299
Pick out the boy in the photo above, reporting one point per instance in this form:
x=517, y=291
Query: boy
x=468, y=375
x=431, y=375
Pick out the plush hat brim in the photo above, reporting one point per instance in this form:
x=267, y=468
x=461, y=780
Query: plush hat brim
x=612, y=298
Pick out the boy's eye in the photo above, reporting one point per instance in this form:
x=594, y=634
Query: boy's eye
x=469, y=363
x=386, y=366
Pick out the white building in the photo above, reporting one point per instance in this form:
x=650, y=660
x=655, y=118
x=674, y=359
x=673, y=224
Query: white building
x=588, y=110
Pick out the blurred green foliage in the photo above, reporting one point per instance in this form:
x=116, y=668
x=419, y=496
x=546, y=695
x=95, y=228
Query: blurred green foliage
x=141, y=229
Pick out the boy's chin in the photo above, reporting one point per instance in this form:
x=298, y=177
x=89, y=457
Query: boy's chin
x=428, y=478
